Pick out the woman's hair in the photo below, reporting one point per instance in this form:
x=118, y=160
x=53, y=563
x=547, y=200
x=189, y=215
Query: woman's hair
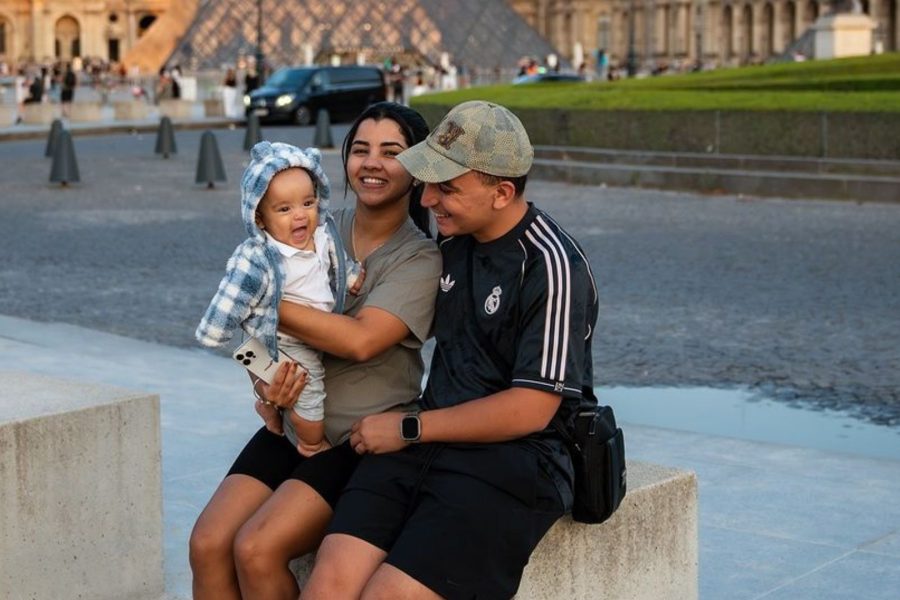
x=414, y=129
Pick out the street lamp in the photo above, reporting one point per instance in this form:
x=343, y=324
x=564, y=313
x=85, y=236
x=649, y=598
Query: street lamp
x=631, y=58
x=698, y=28
x=260, y=57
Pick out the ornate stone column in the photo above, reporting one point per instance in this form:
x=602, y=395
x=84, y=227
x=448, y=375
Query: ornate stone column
x=778, y=26
x=661, y=25
x=37, y=43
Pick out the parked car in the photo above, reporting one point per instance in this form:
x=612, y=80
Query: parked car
x=548, y=77
x=295, y=94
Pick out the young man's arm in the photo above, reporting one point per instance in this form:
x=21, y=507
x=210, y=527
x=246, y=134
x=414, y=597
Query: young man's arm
x=506, y=415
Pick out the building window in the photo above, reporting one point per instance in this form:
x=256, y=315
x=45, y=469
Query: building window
x=112, y=49
x=3, y=49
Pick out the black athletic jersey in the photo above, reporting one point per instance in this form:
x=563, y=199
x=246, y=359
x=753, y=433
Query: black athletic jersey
x=523, y=316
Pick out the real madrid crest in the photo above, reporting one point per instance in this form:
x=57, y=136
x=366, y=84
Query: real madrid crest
x=492, y=303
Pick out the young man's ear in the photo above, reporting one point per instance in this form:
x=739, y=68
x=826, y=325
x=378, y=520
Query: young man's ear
x=504, y=194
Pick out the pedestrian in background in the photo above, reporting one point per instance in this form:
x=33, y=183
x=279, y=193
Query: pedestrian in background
x=21, y=92
x=229, y=93
x=69, y=81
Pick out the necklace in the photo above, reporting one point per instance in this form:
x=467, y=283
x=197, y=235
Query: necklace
x=356, y=252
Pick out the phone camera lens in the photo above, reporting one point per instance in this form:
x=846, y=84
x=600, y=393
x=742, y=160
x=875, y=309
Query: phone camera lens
x=239, y=357
x=247, y=361
x=250, y=354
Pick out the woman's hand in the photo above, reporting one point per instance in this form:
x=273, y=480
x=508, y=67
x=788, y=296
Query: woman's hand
x=284, y=391
x=357, y=285
x=377, y=434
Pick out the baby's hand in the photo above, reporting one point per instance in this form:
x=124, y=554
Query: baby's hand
x=357, y=285
x=308, y=450
x=270, y=416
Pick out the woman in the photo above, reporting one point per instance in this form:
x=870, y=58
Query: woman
x=229, y=94
x=275, y=504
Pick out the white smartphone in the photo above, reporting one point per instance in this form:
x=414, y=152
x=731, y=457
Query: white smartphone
x=254, y=356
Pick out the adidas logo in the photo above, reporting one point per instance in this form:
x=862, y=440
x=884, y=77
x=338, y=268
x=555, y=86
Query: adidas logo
x=447, y=283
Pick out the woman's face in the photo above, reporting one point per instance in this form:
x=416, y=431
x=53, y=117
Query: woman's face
x=373, y=171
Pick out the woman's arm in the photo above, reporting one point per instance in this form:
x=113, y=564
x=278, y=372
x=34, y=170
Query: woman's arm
x=359, y=338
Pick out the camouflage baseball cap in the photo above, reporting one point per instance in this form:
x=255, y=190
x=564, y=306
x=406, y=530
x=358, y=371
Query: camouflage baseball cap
x=474, y=136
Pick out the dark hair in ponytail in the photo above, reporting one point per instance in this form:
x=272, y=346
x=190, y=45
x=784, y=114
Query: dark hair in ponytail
x=415, y=130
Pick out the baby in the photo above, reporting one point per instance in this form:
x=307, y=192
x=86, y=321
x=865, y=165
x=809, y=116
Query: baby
x=290, y=254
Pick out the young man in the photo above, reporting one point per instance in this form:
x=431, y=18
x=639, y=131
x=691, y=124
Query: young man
x=451, y=501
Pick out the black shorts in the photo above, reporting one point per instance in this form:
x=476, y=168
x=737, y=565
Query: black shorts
x=460, y=519
x=272, y=459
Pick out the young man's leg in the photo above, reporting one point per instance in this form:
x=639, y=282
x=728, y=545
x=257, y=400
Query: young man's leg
x=344, y=566
x=477, y=517
x=390, y=583
x=458, y=521
x=368, y=518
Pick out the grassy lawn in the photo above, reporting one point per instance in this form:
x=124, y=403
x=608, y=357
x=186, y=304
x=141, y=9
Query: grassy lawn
x=866, y=84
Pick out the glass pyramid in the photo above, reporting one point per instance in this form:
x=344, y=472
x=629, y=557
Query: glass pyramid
x=482, y=34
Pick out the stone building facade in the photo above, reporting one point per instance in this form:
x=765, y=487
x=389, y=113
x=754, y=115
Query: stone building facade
x=723, y=32
x=50, y=30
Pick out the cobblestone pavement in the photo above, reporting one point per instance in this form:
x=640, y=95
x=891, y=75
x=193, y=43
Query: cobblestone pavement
x=798, y=299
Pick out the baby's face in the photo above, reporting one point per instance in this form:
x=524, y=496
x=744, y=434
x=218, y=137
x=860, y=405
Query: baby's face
x=289, y=211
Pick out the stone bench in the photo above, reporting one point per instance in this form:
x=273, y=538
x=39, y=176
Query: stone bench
x=176, y=109
x=8, y=114
x=131, y=110
x=646, y=551
x=85, y=111
x=213, y=107
x=38, y=113
x=80, y=490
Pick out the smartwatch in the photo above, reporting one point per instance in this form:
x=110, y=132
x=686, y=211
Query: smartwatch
x=410, y=427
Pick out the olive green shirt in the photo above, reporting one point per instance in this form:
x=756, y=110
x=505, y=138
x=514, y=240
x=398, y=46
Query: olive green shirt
x=401, y=278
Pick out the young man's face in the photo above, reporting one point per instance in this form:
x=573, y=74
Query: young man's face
x=464, y=205
x=289, y=211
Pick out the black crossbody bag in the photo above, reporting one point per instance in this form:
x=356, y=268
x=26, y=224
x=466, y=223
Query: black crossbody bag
x=597, y=449
x=598, y=457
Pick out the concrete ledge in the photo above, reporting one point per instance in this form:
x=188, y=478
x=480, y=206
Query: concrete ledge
x=718, y=181
x=7, y=115
x=81, y=490
x=85, y=111
x=176, y=109
x=213, y=108
x=39, y=113
x=646, y=551
x=131, y=110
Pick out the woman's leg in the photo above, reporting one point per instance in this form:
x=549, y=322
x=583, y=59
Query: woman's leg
x=290, y=523
x=212, y=540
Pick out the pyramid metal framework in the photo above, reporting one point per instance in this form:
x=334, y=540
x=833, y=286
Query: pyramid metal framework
x=474, y=33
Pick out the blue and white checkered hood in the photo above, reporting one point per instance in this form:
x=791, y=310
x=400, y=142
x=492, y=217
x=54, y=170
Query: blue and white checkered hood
x=267, y=159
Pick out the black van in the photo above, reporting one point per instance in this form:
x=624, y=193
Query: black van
x=296, y=94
